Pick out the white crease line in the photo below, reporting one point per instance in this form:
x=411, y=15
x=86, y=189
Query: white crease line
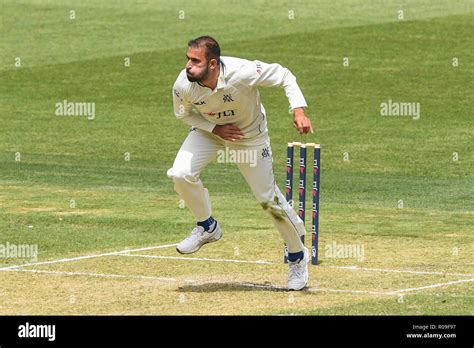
x=269, y=287
x=123, y=252
x=357, y=268
x=93, y=274
x=347, y=291
x=195, y=258
x=430, y=286
x=86, y=257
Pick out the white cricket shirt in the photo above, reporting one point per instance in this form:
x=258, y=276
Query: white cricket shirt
x=236, y=98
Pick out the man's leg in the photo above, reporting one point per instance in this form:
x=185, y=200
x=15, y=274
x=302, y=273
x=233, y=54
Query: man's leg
x=259, y=175
x=196, y=152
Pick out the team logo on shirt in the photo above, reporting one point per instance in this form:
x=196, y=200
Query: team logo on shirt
x=266, y=152
x=220, y=114
x=258, y=66
x=227, y=98
x=176, y=93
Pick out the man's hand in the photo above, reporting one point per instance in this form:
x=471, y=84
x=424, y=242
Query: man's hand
x=301, y=122
x=228, y=132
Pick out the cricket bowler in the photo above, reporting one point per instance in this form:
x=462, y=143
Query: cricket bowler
x=218, y=97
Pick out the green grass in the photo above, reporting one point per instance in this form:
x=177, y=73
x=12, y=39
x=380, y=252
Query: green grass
x=130, y=204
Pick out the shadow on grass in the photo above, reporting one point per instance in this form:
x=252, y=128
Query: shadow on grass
x=217, y=287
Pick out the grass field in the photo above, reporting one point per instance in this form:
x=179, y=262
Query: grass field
x=398, y=187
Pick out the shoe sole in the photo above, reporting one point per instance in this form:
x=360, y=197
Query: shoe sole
x=199, y=247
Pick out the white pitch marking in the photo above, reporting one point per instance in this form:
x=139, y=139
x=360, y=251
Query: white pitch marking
x=94, y=274
x=430, y=286
x=124, y=253
x=194, y=258
x=347, y=291
x=357, y=268
x=86, y=257
x=269, y=287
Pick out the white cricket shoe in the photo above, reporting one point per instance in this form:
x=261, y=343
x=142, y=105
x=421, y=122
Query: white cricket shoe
x=198, y=238
x=298, y=275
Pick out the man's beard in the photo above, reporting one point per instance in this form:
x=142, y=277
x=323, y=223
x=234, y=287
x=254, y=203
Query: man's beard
x=200, y=78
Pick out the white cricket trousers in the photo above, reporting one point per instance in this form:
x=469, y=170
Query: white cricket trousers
x=201, y=147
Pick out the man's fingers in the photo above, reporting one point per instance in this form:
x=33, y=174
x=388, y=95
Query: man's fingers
x=234, y=135
x=230, y=130
x=302, y=128
x=302, y=124
x=309, y=127
x=234, y=130
x=230, y=133
x=306, y=128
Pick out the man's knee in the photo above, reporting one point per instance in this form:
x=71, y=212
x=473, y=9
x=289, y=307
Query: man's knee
x=182, y=176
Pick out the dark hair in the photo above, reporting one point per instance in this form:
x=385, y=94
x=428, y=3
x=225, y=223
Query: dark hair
x=213, y=51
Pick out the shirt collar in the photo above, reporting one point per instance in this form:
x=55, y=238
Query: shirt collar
x=221, y=80
x=221, y=83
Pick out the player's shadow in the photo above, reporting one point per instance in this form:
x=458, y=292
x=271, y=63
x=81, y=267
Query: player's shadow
x=219, y=287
